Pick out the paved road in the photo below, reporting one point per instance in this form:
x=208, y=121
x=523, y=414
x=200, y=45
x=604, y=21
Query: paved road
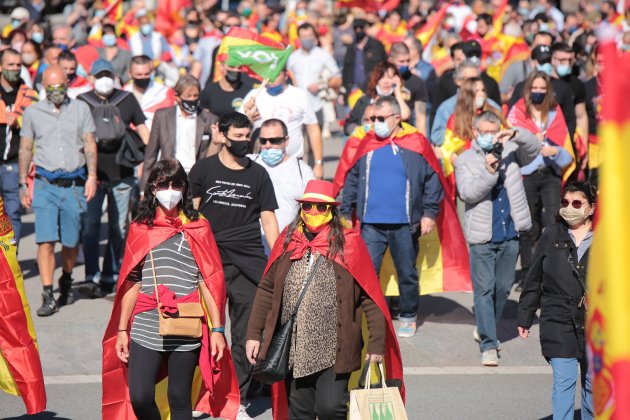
x=443, y=374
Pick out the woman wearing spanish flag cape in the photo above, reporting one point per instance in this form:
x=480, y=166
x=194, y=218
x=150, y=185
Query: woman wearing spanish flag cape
x=170, y=249
x=327, y=341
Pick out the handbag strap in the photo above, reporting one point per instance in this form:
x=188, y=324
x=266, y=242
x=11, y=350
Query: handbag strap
x=157, y=295
x=368, y=379
x=308, y=281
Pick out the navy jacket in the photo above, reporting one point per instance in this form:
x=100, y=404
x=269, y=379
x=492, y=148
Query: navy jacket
x=425, y=188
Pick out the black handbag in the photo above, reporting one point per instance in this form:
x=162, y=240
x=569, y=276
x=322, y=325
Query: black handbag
x=275, y=367
x=131, y=151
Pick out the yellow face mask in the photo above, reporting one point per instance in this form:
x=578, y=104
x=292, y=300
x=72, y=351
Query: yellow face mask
x=316, y=222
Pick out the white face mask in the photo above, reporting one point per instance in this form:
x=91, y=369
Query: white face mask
x=381, y=92
x=169, y=198
x=479, y=102
x=104, y=85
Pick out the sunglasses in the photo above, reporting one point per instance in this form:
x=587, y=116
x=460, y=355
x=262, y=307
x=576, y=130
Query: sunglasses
x=272, y=140
x=55, y=88
x=381, y=119
x=321, y=208
x=575, y=203
x=176, y=185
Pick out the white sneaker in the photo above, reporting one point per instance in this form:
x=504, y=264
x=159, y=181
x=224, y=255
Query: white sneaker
x=477, y=338
x=242, y=413
x=490, y=358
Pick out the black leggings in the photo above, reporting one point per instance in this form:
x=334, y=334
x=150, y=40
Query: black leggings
x=321, y=395
x=144, y=364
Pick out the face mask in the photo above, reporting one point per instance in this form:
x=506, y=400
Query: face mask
x=104, y=86
x=485, y=141
x=523, y=11
x=28, y=59
x=300, y=12
x=537, y=98
x=146, y=29
x=404, y=69
x=588, y=48
x=308, y=44
x=62, y=47
x=450, y=22
x=529, y=39
x=315, y=223
x=247, y=13
x=190, y=106
x=381, y=92
x=479, y=102
x=543, y=27
x=233, y=76
x=37, y=37
x=12, y=76
x=71, y=77
x=604, y=15
x=57, y=96
x=15, y=23
x=572, y=29
x=17, y=46
x=169, y=198
x=275, y=90
x=382, y=130
x=545, y=68
x=367, y=127
x=188, y=40
x=272, y=157
x=359, y=35
x=142, y=83
x=625, y=47
x=238, y=148
x=109, y=40
x=573, y=216
x=563, y=70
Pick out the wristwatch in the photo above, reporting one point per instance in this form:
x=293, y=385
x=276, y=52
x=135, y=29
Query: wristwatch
x=319, y=162
x=23, y=186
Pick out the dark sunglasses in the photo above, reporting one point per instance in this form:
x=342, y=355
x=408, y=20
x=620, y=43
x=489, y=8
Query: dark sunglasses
x=575, y=203
x=176, y=185
x=321, y=208
x=272, y=140
x=381, y=119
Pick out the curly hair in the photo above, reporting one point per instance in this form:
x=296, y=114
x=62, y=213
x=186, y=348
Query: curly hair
x=379, y=71
x=336, y=238
x=587, y=189
x=167, y=170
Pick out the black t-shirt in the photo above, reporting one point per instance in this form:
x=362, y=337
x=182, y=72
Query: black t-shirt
x=414, y=90
x=577, y=89
x=220, y=102
x=593, y=100
x=131, y=113
x=10, y=154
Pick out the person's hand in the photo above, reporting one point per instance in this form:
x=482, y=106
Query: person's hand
x=492, y=163
x=318, y=171
x=346, y=39
x=374, y=358
x=251, y=350
x=397, y=87
x=313, y=88
x=25, y=198
x=549, y=151
x=523, y=332
x=540, y=136
x=122, y=346
x=453, y=158
x=11, y=119
x=504, y=136
x=90, y=188
x=251, y=110
x=438, y=151
x=426, y=225
x=217, y=345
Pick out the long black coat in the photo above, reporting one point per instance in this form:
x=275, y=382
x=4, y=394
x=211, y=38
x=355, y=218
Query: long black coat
x=554, y=284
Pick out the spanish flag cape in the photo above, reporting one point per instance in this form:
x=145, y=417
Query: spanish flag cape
x=20, y=367
x=346, y=158
x=557, y=132
x=215, y=387
x=443, y=257
x=355, y=255
x=452, y=144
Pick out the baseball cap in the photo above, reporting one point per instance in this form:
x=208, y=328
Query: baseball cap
x=100, y=66
x=471, y=48
x=359, y=23
x=542, y=54
x=20, y=13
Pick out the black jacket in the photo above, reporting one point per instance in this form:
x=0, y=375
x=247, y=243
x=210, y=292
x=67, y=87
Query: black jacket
x=373, y=53
x=555, y=283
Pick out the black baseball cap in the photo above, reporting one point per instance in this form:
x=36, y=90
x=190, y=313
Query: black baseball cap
x=471, y=48
x=542, y=54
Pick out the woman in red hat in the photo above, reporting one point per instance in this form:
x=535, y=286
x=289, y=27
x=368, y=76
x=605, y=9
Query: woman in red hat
x=327, y=341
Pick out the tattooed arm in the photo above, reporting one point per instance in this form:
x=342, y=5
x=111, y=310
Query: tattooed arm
x=24, y=161
x=89, y=150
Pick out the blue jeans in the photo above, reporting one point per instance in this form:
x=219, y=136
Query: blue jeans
x=565, y=375
x=492, y=269
x=117, y=194
x=403, y=244
x=9, y=189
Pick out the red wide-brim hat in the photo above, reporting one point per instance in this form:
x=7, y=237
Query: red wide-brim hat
x=318, y=191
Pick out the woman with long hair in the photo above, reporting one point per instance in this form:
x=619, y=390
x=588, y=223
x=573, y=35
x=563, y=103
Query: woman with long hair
x=170, y=259
x=326, y=343
x=385, y=80
x=556, y=283
x=538, y=112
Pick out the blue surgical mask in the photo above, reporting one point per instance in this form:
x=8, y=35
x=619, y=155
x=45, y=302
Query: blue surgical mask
x=625, y=47
x=109, y=40
x=275, y=90
x=485, y=141
x=537, y=97
x=15, y=23
x=382, y=130
x=272, y=157
x=563, y=70
x=146, y=29
x=546, y=68
x=37, y=37
x=367, y=127
x=403, y=69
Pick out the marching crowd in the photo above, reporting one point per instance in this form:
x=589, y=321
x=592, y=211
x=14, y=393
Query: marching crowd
x=472, y=122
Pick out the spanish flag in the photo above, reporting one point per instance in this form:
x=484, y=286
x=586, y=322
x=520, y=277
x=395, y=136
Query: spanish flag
x=20, y=367
x=453, y=144
x=113, y=9
x=608, y=328
x=426, y=32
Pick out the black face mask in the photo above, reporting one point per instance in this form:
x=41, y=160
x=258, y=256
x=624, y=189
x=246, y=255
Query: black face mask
x=238, y=148
x=190, y=106
x=142, y=83
x=359, y=35
x=191, y=40
x=71, y=77
x=233, y=76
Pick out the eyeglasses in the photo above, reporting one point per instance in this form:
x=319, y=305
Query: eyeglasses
x=382, y=119
x=272, y=140
x=176, y=185
x=54, y=88
x=321, y=208
x=575, y=203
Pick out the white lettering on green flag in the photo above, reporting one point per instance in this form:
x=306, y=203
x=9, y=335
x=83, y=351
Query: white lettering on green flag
x=266, y=62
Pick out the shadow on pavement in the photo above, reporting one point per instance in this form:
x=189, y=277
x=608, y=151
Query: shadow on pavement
x=443, y=310
x=577, y=415
x=46, y=415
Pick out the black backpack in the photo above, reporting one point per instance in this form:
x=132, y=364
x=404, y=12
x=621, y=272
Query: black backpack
x=110, y=127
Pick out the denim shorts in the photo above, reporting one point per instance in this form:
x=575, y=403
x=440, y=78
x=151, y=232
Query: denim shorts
x=58, y=213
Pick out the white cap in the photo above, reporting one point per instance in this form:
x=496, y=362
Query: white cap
x=20, y=13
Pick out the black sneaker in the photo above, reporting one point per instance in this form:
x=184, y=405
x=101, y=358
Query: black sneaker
x=91, y=290
x=66, y=297
x=108, y=287
x=394, y=306
x=49, y=306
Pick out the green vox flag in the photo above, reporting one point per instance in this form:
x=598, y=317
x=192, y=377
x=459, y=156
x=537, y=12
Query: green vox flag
x=266, y=62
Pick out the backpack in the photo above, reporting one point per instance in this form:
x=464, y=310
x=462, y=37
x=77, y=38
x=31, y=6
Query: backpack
x=110, y=127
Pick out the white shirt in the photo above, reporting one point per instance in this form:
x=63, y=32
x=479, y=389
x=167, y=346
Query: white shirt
x=185, y=133
x=292, y=107
x=316, y=66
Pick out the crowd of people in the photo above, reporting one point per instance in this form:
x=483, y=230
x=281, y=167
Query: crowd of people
x=487, y=108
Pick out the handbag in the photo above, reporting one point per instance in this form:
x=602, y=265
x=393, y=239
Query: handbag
x=376, y=402
x=131, y=151
x=275, y=367
x=186, y=322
